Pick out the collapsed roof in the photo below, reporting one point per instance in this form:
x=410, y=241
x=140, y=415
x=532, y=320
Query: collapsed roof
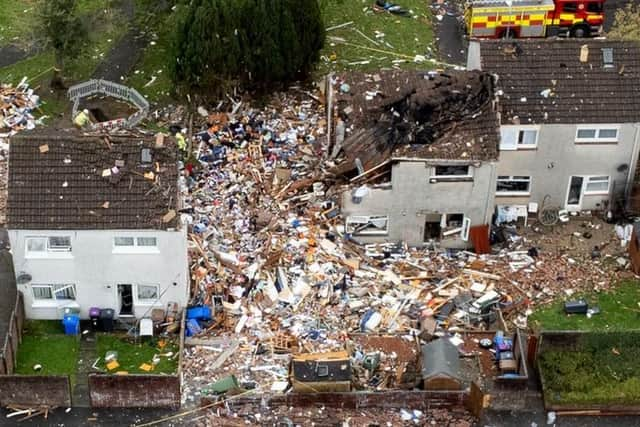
x=417, y=114
x=67, y=181
x=565, y=81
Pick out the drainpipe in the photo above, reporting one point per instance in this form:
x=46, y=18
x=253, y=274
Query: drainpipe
x=633, y=165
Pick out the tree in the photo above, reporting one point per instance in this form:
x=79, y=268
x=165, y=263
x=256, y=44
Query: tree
x=259, y=42
x=63, y=28
x=626, y=25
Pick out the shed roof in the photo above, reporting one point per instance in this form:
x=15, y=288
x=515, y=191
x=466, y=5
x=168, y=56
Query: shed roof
x=440, y=357
x=544, y=81
x=58, y=181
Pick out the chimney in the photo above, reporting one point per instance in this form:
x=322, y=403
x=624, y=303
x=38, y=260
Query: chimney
x=473, y=56
x=584, y=53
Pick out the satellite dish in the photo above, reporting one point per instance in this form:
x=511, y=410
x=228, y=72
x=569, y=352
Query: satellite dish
x=23, y=278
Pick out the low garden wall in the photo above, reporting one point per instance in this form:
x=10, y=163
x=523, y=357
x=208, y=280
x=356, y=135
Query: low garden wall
x=134, y=391
x=36, y=390
x=590, y=371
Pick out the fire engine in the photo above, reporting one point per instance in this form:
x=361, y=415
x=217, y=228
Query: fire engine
x=533, y=18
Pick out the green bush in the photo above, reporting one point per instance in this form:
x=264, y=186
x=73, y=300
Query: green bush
x=258, y=42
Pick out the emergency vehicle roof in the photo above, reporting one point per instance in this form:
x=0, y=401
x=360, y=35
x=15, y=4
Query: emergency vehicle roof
x=513, y=5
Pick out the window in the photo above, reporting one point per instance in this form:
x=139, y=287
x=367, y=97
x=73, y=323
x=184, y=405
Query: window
x=454, y=220
x=519, y=137
x=597, y=185
x=594, y=7
x=149, y=293
x=146, y=241
x=597, y=135
x=513, y=185
x=60, y=243
x=43, y=246
x=528, y=138
x=455, y=170
x=322, y=370
x=123, y=241
x=372, y=225
x=54, y=292
x=570, y=7
x=131, y=244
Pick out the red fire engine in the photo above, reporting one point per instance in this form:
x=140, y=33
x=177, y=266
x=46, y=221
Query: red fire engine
x=534, y=18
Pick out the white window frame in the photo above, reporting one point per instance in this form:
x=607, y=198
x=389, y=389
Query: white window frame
x=364, y=219
x=146, y=301
x=510, y=137
x=136, y=248
x=597, y=139
x=450, y=178
x=596, y=179
x=512, y=178
x=49, y=250
x=53, y=290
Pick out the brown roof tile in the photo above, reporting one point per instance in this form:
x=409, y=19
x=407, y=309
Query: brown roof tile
x=582, y=92
x=63, y=188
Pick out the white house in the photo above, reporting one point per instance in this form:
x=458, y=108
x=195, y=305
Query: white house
x=93, y=223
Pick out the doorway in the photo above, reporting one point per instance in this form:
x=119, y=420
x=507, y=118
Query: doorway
x=575, y=193
x=125, y=300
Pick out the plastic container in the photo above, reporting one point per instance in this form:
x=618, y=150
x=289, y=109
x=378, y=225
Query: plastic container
x=192, y=328
x=200, y=313
x=71, y=324
x=106, y=319
x=94, y=315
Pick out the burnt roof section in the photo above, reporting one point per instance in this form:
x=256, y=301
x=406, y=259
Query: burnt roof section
x=418, y=114
x=57, y=182
x=544, y=81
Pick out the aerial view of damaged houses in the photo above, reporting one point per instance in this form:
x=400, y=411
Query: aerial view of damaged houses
x=349, y=213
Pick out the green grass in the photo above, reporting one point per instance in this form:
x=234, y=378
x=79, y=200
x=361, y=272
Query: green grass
x=131, y=355
x=17, y=21
x=601, y=369
x=619, y=311
x=404, y=38
x=156, y=57
x=105, y=31
x=44, y=343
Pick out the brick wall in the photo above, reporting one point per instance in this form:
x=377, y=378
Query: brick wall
x=35, y=390
x=134, y=391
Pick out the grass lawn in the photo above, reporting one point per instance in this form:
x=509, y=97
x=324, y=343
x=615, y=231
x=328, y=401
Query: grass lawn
x=397, y=37
x=620, y=310
x=131, y=356
x=602, y=369
x=44, y=343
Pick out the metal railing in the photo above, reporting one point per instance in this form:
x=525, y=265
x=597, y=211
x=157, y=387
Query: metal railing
x=115, y=90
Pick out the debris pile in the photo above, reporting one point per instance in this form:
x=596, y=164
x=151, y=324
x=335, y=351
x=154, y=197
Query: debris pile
x=16, y=108
x=277, y=275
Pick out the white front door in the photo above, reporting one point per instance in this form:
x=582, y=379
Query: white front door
x=575, y=193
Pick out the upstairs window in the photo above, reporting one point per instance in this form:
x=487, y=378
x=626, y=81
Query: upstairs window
x=596, y=135
x=47, y=246
x=519, y=137
x=135, y=244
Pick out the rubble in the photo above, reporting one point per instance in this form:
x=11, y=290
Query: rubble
x=271, y=259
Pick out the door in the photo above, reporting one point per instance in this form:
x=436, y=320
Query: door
x=574, y=195
x=125, y=300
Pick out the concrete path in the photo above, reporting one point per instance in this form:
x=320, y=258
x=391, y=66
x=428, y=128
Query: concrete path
x=87, y=355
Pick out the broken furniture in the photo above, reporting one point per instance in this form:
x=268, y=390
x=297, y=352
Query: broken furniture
x=321, y=372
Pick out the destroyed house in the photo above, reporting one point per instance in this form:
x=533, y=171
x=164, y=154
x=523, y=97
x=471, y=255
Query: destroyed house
x=93, y=222
x=570, y=117
x=419, y=154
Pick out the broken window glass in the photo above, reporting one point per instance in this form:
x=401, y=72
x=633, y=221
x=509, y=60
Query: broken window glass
x=374, y=224
x=455, y=220
x=452, y=170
